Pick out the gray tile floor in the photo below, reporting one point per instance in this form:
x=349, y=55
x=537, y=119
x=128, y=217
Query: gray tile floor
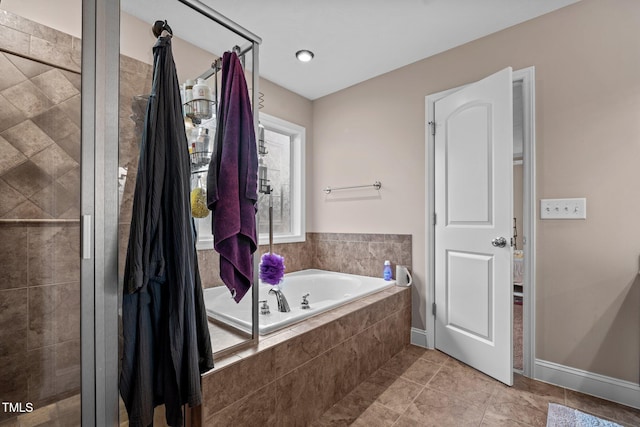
x=421, y=387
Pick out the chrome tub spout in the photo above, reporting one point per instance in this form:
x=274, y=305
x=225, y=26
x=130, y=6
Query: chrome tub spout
x=283, y=305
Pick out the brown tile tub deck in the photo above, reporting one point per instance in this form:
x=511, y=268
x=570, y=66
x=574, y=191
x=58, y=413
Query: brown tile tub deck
x=294, y=375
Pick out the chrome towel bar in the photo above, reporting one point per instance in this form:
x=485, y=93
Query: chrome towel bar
x=377, y=185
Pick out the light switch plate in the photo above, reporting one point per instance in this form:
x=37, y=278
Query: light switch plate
x=563, y=208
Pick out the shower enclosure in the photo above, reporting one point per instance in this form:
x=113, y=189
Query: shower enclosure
x=69, y=103
x=40, y=175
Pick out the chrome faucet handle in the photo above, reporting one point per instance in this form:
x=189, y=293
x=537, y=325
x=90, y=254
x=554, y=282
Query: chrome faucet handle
x=305, y=303
x=264, y=308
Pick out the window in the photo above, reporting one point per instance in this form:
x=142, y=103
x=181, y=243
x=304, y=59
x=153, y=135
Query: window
x=285, y=145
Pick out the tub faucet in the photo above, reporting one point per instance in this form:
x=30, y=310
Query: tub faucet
x=283, y=305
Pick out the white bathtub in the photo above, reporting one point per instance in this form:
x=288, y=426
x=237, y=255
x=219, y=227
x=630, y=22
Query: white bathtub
x=326, y=289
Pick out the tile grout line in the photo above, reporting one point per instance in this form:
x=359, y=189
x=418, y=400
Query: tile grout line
x=418, y=394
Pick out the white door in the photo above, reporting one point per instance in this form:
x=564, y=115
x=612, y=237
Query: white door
x=474, y=209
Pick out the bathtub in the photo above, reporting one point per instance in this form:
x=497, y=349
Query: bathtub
x=326, y=289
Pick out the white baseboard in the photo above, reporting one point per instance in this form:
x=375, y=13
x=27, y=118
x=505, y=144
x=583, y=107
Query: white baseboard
x=613, y=389
x=419, y=337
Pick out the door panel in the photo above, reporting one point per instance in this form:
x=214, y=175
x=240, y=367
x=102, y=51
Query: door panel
x=464, y=311
x=473, y=196
x=468, y=167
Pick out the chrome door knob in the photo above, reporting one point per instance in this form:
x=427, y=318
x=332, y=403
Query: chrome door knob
x=499, y=242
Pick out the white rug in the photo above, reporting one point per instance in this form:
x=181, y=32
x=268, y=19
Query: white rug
x=563, y=416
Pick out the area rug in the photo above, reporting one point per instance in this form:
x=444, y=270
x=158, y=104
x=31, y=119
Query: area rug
x=563, y=416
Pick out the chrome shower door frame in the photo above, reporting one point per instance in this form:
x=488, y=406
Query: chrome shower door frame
x=99, y=211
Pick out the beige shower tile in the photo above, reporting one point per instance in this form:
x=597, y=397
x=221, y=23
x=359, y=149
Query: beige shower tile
x=9, y=72
x=72, y=107
x=55, y=86
x=74, y=78
x=27, y=209
x=55, y=200
x=67, y=303
x=27, y=137
x=54, y=161
x=11, y=157
x=54, y=254
x=9, y=114
x=67, y=357
x=14, y=378
x=71, y=181
x=13, y=253
x=28, y=26
x=13, y=40
x=9, y=198
x=56, y=123
x=27, y=98
x=60, y=55
x=28, y=67
x=42, y=316
x=13, y=320
x=41, y=368
x=27, y=178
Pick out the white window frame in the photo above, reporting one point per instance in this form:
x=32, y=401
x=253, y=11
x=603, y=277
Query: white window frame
x=297, y=174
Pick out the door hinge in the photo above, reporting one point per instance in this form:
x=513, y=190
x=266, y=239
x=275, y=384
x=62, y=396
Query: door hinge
x=432, y=125
x=435, y=218
x=433, y=308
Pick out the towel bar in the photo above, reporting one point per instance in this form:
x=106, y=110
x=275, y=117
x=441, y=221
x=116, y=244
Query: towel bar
x=377, y=185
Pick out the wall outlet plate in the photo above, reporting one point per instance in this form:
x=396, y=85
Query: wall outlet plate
x=563, y=208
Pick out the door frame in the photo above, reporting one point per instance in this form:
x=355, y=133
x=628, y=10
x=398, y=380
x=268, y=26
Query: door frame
x=527, y=77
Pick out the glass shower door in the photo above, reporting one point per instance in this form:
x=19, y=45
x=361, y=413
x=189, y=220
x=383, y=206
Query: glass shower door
x=40, y=168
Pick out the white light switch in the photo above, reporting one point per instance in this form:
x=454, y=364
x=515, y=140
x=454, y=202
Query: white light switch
x=563, y=208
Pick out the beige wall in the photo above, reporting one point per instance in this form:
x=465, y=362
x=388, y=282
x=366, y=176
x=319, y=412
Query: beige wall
x=588, y=145
x=588, y=100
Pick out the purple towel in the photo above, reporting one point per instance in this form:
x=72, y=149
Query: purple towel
x=232, y=182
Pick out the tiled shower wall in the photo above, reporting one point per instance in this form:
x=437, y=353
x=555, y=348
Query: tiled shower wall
x=39, y=182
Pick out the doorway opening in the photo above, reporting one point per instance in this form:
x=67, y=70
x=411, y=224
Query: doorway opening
x=523, y=212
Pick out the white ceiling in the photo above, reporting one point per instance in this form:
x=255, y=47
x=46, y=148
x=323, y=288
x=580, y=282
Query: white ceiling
x=353, y=40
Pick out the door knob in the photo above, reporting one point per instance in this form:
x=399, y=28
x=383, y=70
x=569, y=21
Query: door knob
x=499, y=242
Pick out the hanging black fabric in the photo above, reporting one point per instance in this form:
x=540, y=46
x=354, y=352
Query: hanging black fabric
x=166, y=338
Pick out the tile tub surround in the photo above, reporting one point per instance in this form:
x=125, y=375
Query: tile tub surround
x=296, y=374
x=354, y=253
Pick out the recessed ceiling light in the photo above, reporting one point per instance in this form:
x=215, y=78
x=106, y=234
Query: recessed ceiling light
x=304, y=55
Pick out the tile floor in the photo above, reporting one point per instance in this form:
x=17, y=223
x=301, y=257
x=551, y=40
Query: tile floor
x=417, y=387
x=421, y=387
